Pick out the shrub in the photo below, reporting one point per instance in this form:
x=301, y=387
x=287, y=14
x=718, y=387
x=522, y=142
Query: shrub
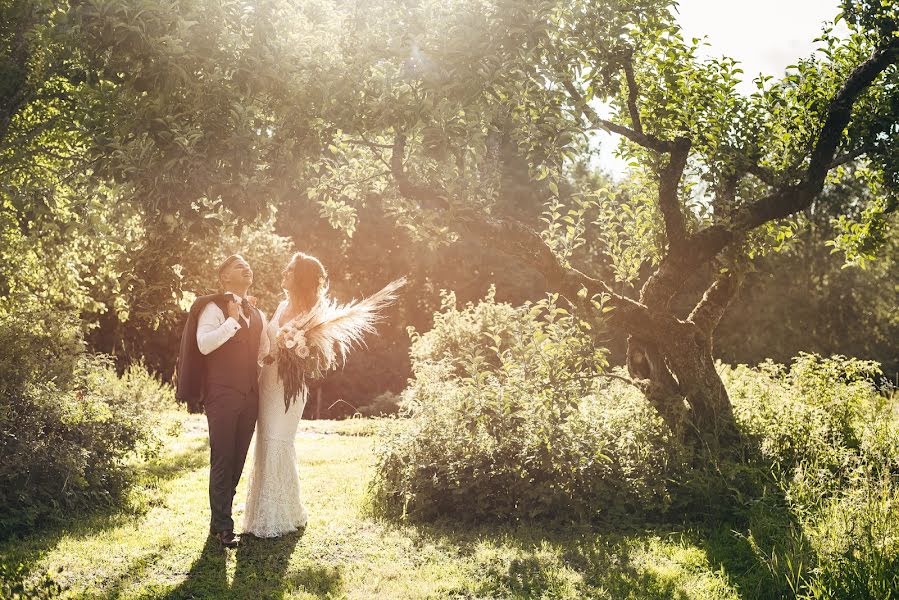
x=386, y=403
x=68, y=423
x=831, y=439
x=147, y=390
x=820, y=414
x=855, y=536
x=512, y=419
x=14, y=584
x=510, y=422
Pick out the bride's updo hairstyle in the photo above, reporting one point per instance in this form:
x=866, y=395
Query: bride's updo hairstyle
x=309, y=281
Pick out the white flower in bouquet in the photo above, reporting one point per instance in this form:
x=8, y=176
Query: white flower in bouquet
x=302, y=351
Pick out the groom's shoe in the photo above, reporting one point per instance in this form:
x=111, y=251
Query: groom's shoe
x=227, y=539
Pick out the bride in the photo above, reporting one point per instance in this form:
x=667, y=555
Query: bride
x=274, y=505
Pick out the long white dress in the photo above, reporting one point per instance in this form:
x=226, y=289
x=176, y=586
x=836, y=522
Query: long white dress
x=273, y=505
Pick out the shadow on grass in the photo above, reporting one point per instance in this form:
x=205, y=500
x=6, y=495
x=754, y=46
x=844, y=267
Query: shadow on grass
x=207, y=577
x=27, y=549
x=261, y=571
x=535, y=561
x=732, y=533
x=261, y=565
x=778, y=566
x=664, y=562
x=322, y=581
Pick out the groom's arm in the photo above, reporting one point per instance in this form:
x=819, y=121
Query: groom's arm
x=213, y=329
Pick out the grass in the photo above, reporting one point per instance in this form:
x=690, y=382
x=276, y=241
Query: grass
x=159, y=548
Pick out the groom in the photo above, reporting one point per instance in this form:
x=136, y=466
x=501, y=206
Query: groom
x=218, y=371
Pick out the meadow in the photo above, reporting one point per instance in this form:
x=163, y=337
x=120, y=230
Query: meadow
x=159, y=548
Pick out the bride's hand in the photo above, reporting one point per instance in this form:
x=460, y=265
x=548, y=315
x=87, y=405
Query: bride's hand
x=269, y=359
x=252, y=301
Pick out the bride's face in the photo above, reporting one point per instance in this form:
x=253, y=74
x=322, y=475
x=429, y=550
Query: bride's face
x=287, y=275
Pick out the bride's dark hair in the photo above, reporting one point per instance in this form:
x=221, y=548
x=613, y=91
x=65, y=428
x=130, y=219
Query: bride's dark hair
x=309, y=281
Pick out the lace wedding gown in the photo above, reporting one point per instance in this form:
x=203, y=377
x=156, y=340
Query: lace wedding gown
x=273, y=505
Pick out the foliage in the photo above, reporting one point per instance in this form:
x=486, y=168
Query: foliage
x=69, y=423
x=13, y=585
x=811, y=489
x=829, y=439
x=139, y=141
x=509, y=422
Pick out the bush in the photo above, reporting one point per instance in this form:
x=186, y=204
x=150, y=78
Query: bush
x=510, y=422
x=512, y=419
x=386, y=403
x=831, y=440
x=68, y=423
x=14, y=584
x=147, y=390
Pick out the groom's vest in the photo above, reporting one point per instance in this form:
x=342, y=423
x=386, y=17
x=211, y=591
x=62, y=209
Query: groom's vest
x=234, y=363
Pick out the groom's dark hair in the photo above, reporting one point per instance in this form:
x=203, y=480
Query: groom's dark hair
x=228, y=262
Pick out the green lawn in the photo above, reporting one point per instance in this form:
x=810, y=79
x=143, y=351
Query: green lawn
x=159, y=548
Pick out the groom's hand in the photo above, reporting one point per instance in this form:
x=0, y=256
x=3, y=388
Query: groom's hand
x=233, y=310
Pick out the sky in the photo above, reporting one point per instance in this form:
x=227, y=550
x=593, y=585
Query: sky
x=764, y=35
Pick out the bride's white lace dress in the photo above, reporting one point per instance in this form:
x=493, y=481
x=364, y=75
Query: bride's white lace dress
x=274, y=506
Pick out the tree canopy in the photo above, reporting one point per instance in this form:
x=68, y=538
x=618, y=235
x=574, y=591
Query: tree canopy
x=131, y=132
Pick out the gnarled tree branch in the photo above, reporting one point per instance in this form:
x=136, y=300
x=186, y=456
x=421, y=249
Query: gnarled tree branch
x=650, y=142
x=669, y=203
x=632, y=92
x=789, y=199
x=708, y=311
x=522, y=242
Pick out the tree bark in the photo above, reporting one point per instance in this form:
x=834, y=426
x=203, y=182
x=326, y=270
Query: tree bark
x=676, y=372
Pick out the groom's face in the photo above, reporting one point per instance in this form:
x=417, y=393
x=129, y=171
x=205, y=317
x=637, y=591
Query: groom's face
x=238, y=273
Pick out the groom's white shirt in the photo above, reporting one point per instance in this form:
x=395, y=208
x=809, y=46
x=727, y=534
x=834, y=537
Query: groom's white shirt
x=213, y=329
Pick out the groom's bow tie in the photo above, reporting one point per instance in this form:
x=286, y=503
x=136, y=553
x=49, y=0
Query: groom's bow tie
x=244, y=308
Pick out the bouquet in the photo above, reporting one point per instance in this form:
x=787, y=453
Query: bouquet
x=318, y=341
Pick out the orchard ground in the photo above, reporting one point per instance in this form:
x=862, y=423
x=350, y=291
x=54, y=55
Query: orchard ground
x=159, y=548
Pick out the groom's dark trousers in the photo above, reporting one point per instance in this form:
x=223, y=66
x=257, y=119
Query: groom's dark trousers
x=231, y=404
x=232, y=418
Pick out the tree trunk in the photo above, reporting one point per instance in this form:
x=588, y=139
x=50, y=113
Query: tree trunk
x=648, y=367
x=711, y=414
x=676, y=372
x=670, y=360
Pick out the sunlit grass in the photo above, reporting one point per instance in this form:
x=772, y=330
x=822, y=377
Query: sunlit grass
x=160, y=548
